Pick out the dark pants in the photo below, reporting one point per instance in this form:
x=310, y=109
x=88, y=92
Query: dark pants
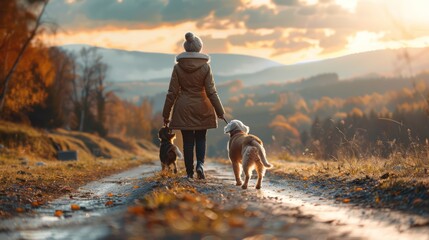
x=195, y=138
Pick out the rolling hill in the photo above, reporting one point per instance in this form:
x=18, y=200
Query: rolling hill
x=140, y=74
x=130, y=66
x=386, y=62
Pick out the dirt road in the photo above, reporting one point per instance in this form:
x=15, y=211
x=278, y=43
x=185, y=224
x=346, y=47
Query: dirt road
x=281, y=210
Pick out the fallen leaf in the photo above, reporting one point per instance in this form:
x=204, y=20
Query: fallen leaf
x=135, y=187
x=108, y=203
x=189, y=198
x=136, y=210
x=35, y=204
x=417, y=201
x=19, y=210
x=58, y=213
x=358, y=189
x=305, y=178
x=110, y=194
x=75, y=207
x=236, y=222
x=346, y=200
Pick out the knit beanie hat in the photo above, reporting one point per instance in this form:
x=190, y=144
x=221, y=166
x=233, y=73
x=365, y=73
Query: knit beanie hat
x=192, y=43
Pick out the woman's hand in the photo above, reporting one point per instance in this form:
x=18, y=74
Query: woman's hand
x=166, y=121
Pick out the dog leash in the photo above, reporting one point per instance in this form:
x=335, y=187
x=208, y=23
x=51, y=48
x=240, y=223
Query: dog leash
x=225, y=120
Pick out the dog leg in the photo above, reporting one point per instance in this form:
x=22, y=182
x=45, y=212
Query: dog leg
x=175, y=167
x=237, y=172
x=248, y=162
x=248, y=173
x=261, y=172
x=163, y=166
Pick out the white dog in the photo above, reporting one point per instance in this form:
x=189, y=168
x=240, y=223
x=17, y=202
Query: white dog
x=245, y=151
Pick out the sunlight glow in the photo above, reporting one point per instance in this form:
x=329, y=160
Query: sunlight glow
x=347, y=4
x=415, y=11
x=405, y=23
x=258, y=2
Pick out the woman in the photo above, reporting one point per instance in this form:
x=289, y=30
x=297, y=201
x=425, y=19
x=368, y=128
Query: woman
x=192, y=96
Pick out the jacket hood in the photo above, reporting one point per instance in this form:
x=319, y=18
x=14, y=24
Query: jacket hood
x=192, y=61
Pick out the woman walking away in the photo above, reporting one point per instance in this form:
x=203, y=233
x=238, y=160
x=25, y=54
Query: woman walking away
x=196, y=105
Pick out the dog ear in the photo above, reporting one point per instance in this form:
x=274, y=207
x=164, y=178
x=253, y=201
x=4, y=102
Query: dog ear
x=246, y=128
x=229, y=127
x=242, y=127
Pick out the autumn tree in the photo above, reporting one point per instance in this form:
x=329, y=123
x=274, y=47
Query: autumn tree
x=20, y=22
x=56, y=110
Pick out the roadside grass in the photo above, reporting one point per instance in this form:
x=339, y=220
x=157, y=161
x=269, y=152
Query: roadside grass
x=30, y=175
x=399, y=182
x=396, y=169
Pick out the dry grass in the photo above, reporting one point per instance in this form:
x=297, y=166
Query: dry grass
x=396, y=183
x=409, y=169
x=30, y=175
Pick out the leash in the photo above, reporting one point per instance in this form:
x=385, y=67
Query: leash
x=225, y=120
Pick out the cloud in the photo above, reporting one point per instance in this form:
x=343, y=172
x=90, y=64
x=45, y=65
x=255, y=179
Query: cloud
x=253, y=37
x=134, y=13
x=284, y=25
x=308, y=10
x=215, y=45
x=302, y=16
x=307, y=34
x=286, y=2
x=336, y=41
x=210, y=45
x=283, y=46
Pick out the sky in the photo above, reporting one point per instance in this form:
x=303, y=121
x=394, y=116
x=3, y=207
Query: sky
x=286, y=31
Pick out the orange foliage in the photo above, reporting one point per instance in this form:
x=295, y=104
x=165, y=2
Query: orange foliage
x=34, y=71
x=282, y=126
x=127, y=119
x=249, y=103
x=328, y=105
x=28, y=85
x=299, y=119
x=356, y=112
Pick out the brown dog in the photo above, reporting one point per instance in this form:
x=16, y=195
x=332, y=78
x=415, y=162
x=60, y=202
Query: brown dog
x=168, y=152
x=246, y=151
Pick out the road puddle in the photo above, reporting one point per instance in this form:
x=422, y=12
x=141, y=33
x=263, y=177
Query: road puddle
x=93, y=220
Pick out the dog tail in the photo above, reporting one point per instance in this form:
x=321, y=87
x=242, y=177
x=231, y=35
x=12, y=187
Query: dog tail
x=262, y=154
x=178, y=153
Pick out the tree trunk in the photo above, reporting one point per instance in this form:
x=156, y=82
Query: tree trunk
x=82, y=119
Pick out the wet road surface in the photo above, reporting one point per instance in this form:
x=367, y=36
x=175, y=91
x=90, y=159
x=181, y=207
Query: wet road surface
x=294, y=212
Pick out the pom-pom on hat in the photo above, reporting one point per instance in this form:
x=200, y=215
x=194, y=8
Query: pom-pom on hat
x=192, y=43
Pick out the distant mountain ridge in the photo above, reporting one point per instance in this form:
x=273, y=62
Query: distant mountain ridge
x=127, y=66
x=388, y=62
x=140, y=74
